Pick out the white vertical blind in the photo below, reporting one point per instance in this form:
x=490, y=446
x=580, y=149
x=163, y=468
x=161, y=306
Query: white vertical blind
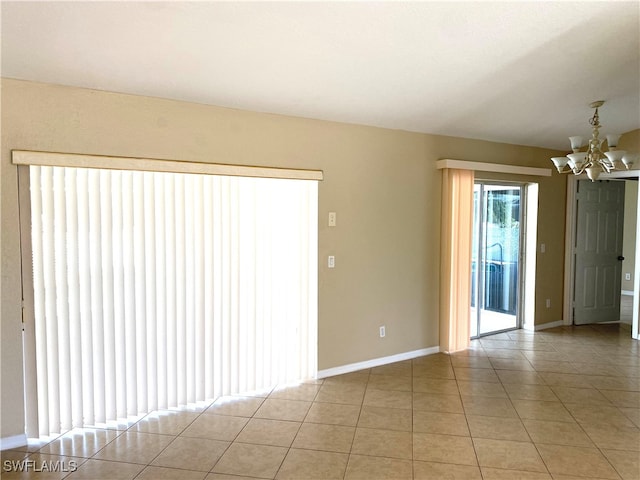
x=154, y=290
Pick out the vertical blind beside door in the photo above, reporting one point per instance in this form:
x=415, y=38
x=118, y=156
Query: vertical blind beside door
x=154, y=290
x=455, y=258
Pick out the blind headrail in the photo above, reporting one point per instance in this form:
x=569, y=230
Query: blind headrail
x=51, y=159
x=492, y=167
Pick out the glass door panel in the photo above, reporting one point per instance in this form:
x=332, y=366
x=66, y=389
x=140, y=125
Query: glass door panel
x=495, y=258
x=475, y=249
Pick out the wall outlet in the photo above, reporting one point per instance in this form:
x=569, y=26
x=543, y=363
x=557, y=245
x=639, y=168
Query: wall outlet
x=331, y=263
x=382, y=331
x=627, y=276
x=332, y=219
x=548, y=303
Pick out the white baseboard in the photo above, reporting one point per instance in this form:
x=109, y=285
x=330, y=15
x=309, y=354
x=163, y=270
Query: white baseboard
x=13, y=442
x=544, y=326
x=376, y=362
x=627, y=292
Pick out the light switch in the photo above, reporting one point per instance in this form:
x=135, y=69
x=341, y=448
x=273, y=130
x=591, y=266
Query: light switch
x=332, y=219
x=332, y=261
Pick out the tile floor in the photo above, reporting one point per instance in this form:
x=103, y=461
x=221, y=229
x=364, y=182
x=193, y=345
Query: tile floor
x=559, y=404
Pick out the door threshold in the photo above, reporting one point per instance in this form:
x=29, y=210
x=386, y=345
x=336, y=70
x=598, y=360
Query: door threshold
x=495, y=332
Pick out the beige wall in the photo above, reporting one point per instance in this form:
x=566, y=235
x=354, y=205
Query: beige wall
x=630, y=142
x=382, y=183
x=629, y=238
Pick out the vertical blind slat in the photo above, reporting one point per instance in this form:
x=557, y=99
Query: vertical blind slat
x=139, y=252
x=181, y=342
x=39, y=301
x=217, y=346
x=161, y=292
x=234, y=307
x=61, y=297
x=170, y=265
x=129, y=314
x=50, y=320
x=207, y=203
x=119, y=340
x=189, y=291
x=199, y=287
x=106, y=270
x=84, y=274
x=95, y=256
x=73, y=292
x=150, y=291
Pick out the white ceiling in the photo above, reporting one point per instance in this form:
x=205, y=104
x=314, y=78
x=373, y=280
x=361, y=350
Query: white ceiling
x=514, y=72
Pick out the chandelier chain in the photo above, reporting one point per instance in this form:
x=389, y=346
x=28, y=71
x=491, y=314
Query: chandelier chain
x=595, y=120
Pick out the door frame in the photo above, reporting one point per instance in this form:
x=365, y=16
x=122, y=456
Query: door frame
x=570, y=236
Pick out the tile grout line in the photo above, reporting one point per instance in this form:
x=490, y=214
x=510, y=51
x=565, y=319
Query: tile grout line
x=175, y=437
x=595, y=445
x=355, y=429
x=297, y=432
x=236, y=436
x=466, y=418
x=521, y=420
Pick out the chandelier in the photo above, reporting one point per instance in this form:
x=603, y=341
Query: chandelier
x=594, y=161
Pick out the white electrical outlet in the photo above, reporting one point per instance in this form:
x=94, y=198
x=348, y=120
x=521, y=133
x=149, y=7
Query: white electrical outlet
x=627, y=276
x=382, y=331
x=332, y=219
x=548, y=303
x=332, y=261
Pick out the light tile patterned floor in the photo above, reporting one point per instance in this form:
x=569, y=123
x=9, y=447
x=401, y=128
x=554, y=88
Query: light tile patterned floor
x=558, y=404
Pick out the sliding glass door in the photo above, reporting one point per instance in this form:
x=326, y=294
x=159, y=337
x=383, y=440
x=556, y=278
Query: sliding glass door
x=154, y=290
x=495, y=259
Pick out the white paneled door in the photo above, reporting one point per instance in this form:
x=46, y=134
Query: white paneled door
x=598, y=251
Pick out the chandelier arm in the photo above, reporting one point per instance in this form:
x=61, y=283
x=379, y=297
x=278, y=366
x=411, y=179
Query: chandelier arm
x=607, y=168
x=582, y=169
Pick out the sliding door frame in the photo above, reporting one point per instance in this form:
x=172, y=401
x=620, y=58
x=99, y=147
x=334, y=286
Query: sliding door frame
x=480, y=285
x=28, y=305
x=24, y=159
